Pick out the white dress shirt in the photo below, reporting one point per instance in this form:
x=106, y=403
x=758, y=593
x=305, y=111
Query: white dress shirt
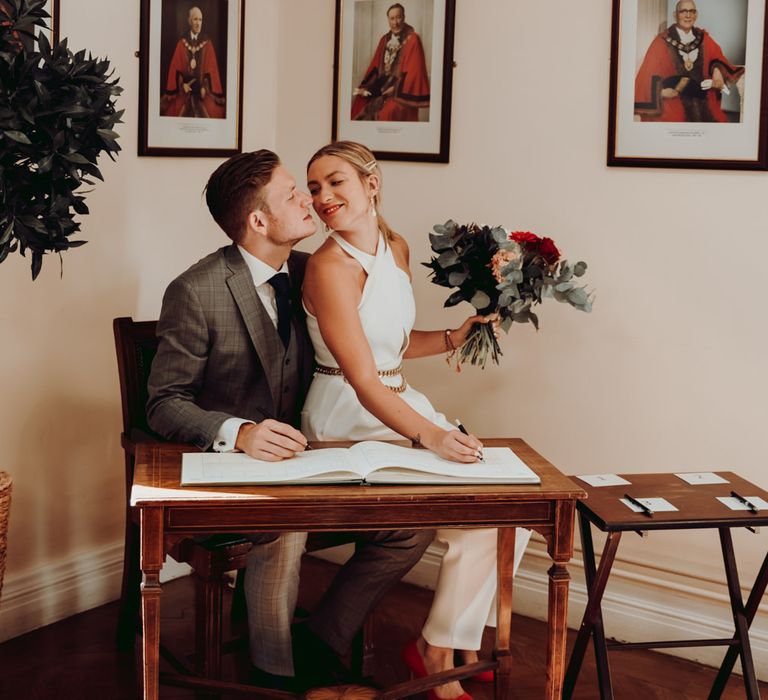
x=261, y=274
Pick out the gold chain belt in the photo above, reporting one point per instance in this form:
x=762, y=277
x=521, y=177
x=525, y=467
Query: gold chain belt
x=336, y=372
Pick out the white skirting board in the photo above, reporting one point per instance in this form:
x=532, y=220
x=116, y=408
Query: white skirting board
x=47, y=594
x=636, y=606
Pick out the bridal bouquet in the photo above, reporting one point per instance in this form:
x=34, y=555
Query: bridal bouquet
x=503, y=273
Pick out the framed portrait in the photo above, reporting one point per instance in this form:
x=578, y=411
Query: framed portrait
x=688, y=84
x=191, y=77
x=393, y=74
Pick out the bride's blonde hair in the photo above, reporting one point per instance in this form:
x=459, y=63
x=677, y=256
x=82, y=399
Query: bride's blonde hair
x=364, y=162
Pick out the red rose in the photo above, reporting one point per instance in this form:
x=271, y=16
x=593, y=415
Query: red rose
x=524, y=237
x=548, y=250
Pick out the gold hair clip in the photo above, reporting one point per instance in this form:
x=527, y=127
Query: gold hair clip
x=370, y=165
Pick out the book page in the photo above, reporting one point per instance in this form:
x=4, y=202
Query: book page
x=331, y=465
x=394, y=464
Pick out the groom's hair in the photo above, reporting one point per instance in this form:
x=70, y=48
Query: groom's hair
x=236, y=188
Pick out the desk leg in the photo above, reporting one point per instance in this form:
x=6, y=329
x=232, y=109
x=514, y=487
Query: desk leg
x=739, y=615
x=151, y=563
x=755, y=596
x=560, y=550
x=505, y=560
x=592, y=613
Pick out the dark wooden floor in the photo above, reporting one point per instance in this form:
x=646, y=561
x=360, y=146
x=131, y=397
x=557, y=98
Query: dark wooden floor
x=75, y=659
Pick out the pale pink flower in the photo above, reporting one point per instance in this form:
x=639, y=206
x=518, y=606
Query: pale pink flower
x=501, y=259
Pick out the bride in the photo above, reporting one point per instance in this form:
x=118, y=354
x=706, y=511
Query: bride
x=360, y=314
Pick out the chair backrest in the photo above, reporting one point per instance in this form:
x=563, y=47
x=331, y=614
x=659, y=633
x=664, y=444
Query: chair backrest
x=136, y=345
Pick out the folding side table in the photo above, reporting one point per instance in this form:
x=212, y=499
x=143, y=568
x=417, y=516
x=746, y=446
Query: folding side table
x=698, y=508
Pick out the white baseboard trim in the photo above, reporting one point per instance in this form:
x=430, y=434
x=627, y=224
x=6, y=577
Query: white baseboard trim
x=636, y=606
x=46, y=594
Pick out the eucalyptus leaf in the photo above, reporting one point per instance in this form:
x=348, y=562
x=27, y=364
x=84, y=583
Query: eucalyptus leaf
x=438, y=243
x=446, y=229
x=448, y=258
x=510, y=268
x=480, y=300
x=499, y=235
x=579, y=268
x=457, y=278
x=577, y=297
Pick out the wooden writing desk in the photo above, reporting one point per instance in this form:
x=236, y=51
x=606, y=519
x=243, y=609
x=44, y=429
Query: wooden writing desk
x=698, y=508
x=169, y=513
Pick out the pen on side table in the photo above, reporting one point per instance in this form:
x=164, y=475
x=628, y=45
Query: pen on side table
x=644, y=508
x=461, y=427
x=752, y=507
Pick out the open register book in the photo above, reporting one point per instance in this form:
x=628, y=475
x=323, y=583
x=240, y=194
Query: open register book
x=369, y=462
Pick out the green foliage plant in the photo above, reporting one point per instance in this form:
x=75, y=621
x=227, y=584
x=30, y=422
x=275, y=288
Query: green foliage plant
x=57, y=115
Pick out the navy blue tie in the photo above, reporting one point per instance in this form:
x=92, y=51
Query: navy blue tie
x=280, y=284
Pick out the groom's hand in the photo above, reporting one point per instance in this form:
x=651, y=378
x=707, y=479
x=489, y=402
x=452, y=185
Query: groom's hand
x=270, y=440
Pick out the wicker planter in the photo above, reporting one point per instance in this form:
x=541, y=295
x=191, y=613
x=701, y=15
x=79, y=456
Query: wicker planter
x=5, y=507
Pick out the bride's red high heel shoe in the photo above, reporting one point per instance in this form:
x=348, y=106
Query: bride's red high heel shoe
x=482, y=677
x=415, y=663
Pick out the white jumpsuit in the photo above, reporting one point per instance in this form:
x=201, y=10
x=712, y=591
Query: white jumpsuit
x=466, y=588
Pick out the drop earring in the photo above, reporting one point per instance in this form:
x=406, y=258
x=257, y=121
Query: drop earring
x=373, y=208
x=327, y=228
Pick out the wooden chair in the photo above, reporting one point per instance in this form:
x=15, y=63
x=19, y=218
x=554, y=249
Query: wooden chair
x=211, y=560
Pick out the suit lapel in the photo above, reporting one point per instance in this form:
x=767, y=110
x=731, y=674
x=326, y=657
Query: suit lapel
x=264, y=337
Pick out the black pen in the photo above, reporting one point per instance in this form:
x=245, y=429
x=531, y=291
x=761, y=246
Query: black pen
x=752, y=507
x=645, y=509
x=464, y=430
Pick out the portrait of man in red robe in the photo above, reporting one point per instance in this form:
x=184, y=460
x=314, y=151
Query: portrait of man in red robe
x=193, y=86
x=396, y=82
x=684, y=74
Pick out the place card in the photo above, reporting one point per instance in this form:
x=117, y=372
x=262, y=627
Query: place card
x=656, y=505
x=603, y=479
x=700, y=478
x=736, y=504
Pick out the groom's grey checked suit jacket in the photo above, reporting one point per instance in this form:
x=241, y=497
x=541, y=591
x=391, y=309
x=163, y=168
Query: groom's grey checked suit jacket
x=220, y=356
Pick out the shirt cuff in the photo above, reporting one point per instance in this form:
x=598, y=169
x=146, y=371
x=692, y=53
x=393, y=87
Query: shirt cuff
x=227, y=435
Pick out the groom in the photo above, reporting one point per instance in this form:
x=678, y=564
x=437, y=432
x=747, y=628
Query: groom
x=233, y=366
